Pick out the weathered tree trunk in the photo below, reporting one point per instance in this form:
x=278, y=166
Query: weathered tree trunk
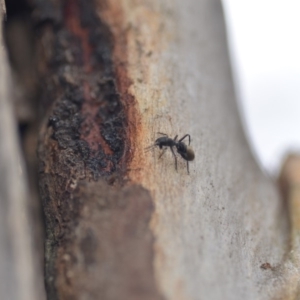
x=121, y=223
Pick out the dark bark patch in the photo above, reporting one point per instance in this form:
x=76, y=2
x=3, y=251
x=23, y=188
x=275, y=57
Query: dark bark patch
x=88, y=247
x=109, y=253
x=87, y=114
x=99, y=243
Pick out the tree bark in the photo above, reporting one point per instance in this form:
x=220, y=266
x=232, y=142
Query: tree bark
x=122, y=223
x=20, y=277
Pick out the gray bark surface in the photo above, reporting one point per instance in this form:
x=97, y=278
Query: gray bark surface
x=215, y=227
x=19, y=277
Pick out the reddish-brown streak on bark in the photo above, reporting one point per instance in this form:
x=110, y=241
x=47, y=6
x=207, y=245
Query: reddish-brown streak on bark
x=124, y=82
x=89, y=108
x=130, y=110
x=73, y=23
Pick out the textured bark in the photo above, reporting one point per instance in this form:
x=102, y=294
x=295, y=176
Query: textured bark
x=20, y=278
x=94, y=230
x=121, y=223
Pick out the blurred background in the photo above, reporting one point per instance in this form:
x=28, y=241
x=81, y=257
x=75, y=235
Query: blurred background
x=264, y=42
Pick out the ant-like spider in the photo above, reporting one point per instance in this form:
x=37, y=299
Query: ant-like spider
x=184, y=150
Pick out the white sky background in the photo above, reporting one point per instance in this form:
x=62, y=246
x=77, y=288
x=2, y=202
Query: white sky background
x=264, y=40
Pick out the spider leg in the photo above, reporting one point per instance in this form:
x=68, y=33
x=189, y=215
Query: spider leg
x=187, y=166
x=175, y=157
x=149, y=148
x=162, y=153
x=162, y=133
x=187, y=135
